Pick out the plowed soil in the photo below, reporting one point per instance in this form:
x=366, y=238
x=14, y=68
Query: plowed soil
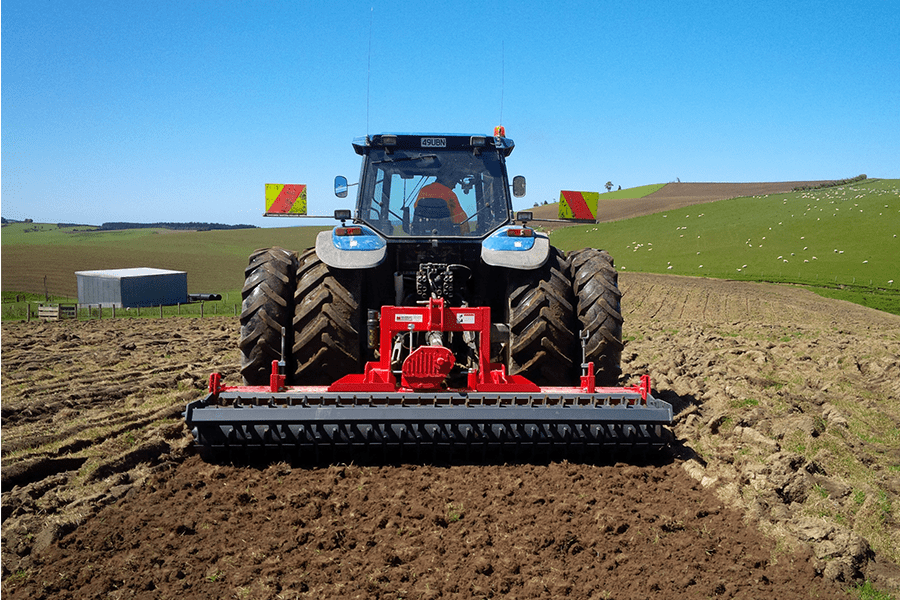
x=104, y=494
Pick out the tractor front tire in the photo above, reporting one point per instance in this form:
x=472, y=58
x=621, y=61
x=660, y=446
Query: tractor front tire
x=327, y=322
x=267, y=306
x=541, y=323
x=598, y=307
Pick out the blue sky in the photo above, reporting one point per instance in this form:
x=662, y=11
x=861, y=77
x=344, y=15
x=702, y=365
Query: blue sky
x=182, y=111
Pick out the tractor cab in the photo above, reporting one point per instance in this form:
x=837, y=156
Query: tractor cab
x=433, y=185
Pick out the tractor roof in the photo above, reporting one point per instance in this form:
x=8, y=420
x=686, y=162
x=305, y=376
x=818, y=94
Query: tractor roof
x=433, y=141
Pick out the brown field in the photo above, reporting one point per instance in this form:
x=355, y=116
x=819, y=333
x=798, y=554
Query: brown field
x=782, y=482
x=670, y=197
x=213, y=260
x=25, y=267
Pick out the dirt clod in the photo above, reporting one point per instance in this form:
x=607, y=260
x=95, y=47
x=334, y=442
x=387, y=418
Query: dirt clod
x=778, y=483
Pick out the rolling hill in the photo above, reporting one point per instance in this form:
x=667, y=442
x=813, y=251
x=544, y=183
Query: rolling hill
x=842, y=241
x=851, y=254
x=649, y=199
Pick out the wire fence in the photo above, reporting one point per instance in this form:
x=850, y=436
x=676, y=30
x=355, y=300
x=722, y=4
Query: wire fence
x=32, y=310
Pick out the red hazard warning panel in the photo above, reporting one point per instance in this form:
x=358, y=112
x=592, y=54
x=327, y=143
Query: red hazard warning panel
x=287, y=198
x=578, y=205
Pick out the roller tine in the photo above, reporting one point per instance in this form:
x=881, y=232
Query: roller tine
x=418, y=439
x=315, y=443
x=434, y=443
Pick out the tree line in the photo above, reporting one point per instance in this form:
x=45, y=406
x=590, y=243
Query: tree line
x=192, y=226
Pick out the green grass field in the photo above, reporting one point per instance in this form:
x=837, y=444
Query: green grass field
x=842, y=241
x=635, y=192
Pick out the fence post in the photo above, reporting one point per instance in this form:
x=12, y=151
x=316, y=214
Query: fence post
x=28, y=311
x=160, y=311
x=201, y=310
x=113, y=311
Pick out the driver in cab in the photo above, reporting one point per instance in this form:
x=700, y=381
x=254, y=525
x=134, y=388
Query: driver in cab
x=442, y=190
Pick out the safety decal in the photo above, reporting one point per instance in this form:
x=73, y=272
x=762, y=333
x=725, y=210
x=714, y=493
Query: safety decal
x=286, y=198
x=578, y=205
x=407, y=318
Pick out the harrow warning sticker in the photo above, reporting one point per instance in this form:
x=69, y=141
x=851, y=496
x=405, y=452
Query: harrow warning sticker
x=578, y=205
x=407, y=318
x=286, y=198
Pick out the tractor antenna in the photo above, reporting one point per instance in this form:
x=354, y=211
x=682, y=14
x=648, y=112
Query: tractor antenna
x=369, y=66
x=502, y=75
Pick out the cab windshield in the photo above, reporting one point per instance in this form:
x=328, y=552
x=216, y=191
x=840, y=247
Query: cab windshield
x=423, y=192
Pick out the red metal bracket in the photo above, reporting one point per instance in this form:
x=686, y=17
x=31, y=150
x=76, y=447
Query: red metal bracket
x=644, y=387
x=276, y=378
x=589, y=381
x=436, y=316
x=215, y=383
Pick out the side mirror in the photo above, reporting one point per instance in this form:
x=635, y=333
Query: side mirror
x=340, y=186
x=518, y=186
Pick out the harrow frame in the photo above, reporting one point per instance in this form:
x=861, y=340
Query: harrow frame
x=376, y=408
x=312, y=416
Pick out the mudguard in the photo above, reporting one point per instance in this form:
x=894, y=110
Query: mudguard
x=351, y=251
x=523, y=253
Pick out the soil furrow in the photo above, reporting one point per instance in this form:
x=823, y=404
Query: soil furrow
x=780, y=482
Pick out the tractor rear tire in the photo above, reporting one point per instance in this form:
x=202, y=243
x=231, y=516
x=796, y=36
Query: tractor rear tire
x=267, y=306
x=327, y=322
x=541, y=323
x=599, y=310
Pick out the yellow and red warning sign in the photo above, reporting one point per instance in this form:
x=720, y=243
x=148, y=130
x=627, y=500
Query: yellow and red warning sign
x=286, y=198
x=578, y=205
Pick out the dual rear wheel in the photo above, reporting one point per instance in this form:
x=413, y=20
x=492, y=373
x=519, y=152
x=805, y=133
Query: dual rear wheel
x=548, y=307
x=319, y=309
x=266, y=307
x=598, y=311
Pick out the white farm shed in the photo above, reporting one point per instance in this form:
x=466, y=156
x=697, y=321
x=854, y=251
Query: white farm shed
x=129, y=288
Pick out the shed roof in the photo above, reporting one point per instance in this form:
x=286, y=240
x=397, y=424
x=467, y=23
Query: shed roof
x=135, y=272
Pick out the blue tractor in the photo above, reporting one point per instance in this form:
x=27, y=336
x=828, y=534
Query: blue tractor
x=431, y=314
